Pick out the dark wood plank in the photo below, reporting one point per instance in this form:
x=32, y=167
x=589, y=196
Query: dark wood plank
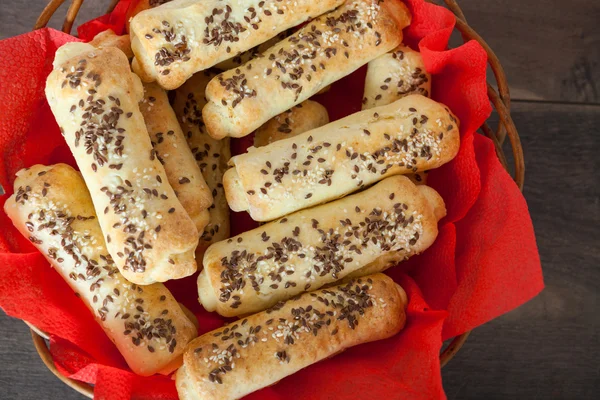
x=22, y=373
x=549, y=49
x=549, y=347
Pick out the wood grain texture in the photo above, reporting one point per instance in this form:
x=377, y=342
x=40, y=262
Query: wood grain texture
x=549, y=347
x=22, y=373
x=550, y=49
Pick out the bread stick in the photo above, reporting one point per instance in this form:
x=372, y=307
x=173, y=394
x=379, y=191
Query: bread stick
x=167, y=137
x=259, y=350
x=53, y=208
x=322, y=52
x=395, y=75
x=94, y=97
x=410, y=135
x=318, y=246
x=177, y=39
x=211, y=156
x=175, y=155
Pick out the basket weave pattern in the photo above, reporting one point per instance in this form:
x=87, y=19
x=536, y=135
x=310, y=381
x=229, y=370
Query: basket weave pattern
x=500, y=99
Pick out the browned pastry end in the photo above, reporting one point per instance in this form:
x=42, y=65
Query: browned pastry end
x=140, y=6
x=108, y=38
x=392, y=258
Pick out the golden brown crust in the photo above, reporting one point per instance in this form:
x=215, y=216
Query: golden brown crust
x=318, y=246
x=435, y=200
x=108, y=38
x=139, y=6
x=259, y=350
x=324, y=51
x=178, y=39
x=235, y=196
x=301, y=118
x=394, y=75
x=94, y=97
x=172, y=150
x=392, y=258
x=251, y=54
x=53, y=208
x=342, y=157
x=211, y=156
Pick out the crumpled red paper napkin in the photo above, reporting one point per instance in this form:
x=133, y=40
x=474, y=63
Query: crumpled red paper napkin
x=484, y=262
x=115, y=21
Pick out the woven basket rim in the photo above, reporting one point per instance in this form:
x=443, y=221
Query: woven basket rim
x=506, y=129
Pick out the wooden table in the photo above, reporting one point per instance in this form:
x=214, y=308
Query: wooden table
x=550, y=347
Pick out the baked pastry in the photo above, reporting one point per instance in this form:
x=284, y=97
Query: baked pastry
x=224, y=65
x=302, y=117
x=53, y=209
x=173, y=152
x=251, y=54
x=259, y=350
x=322, y=52
x=94, y=97
x=109, y=38
x=315, y=247
x=166, y=135
x=177, y=39
x=211, y=156
x=140, y=5
x=392, y=258
x=395, y=75
x=167, y=138
x=410, y=135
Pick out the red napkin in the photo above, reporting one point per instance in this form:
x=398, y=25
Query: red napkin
x=484, y=262
x=115, y=21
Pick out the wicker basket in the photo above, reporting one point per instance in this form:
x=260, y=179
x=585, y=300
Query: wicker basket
x=506, y=128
